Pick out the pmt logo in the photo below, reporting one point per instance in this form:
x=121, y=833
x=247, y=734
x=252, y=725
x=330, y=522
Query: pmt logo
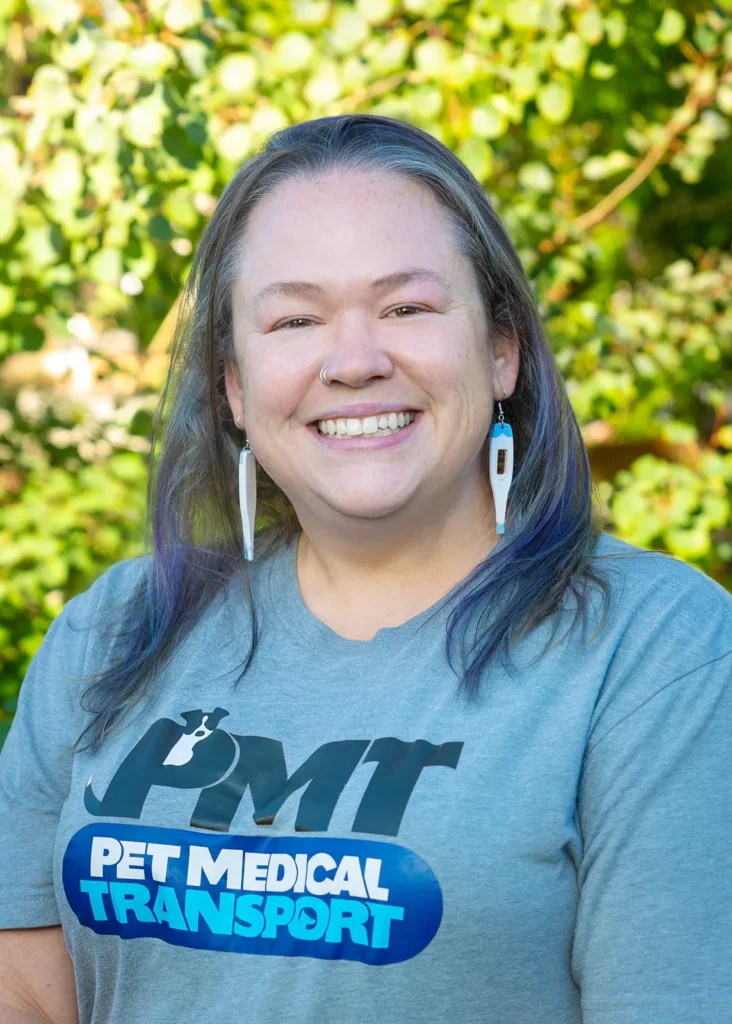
x=331, y=898
x=222, y=765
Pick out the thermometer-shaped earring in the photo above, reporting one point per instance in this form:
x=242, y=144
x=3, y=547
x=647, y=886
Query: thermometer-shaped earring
x=501, y=467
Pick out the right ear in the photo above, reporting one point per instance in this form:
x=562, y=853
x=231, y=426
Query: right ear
x=234, y=392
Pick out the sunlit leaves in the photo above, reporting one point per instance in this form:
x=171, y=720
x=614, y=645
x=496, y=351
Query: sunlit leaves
x=658, y=502
x=129, y=119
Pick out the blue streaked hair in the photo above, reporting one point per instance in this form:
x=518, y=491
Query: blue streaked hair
x=194, y=535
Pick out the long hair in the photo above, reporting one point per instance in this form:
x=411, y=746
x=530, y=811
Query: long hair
x=194, y=533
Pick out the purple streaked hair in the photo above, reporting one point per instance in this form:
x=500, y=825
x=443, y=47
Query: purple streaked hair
x=194, y=531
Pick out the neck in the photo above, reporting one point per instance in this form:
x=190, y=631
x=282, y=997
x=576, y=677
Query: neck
x=360, y=575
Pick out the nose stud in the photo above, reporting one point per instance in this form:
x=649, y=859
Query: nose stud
x=324, y=378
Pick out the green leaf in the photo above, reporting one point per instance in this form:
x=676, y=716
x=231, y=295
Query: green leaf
x=671, y=28
x=179, y=209
x=7, y=300
x=182, y=15
x=178, y=142
x=570, y=52
x=160, y=228
x=234, y=142
x=143, y=123
x=294, y=51
x=487, y=123
x=105, y=266
x=537, y=177
x=237, y=74
x=590, y=26
x=63, y=179
x=555, y=102
x=616, y=28
x=523, y=14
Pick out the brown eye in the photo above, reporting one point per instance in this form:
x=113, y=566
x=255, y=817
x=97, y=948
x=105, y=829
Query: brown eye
x=417, y=309
x=293, y=320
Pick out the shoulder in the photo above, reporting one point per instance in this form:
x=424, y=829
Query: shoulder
x=653, y=582
x=113, y=587
x=666, y=620
x=100, y=603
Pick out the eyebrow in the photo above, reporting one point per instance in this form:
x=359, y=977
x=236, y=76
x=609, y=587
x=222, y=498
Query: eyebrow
x=381, y=284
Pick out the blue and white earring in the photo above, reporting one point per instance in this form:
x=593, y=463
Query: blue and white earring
x=501, y=467
x=247, y=496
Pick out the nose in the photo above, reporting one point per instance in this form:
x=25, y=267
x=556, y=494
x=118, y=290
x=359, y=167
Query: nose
x=357, y=359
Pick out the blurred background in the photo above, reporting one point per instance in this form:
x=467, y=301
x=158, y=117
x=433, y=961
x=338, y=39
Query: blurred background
x=600, y=131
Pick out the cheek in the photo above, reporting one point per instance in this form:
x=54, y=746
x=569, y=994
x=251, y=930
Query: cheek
x=450, y=364
x=274, y=382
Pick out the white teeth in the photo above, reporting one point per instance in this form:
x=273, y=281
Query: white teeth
x=353, y=427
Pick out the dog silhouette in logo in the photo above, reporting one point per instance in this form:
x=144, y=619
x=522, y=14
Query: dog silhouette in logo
x=182, y=752
x=190, y=756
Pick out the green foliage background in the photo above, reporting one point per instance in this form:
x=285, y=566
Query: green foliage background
x=600, y=130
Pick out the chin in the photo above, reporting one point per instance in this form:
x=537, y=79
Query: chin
x=369, y=508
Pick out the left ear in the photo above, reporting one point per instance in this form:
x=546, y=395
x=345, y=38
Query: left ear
x=506, y=362
x=234, y=392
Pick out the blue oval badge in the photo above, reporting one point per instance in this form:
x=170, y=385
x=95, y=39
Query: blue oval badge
x=347, y=899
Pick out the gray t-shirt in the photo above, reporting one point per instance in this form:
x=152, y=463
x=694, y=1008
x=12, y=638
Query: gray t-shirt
x=344, y=839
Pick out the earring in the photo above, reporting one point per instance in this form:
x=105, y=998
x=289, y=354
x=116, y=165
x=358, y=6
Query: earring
x=247, y=496
x=501, y=469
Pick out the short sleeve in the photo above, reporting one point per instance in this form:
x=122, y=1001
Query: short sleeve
x=36, y=759
x=653, y=936
x=35, y=768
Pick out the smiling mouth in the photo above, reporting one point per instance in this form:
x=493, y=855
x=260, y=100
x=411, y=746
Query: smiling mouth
x=366, y=426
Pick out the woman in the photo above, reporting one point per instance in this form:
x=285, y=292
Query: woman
x=355, y=778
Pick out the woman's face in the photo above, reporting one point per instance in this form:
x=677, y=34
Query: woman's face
x=342, y=233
